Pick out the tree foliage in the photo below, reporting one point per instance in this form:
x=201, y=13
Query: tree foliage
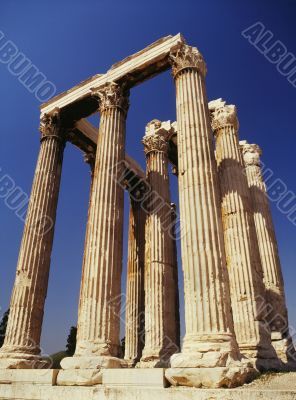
x=3, y=326
x=71, y=341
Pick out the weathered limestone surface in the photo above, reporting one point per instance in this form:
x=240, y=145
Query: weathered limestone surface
x=38, y=376
x=276, y=311
x=99, y=308
x=173, y=233
x=133, y=70
x=135, y=377
x=209, y=341
x=89, y=135
x=89, y=158
x=134, y=304
x=135, y=297
x=210, y=356
x=215, y=377
x=22, y=342
x=84, y=136
x=126, y=390
x=79, y=377
x=160, y=263
x=242, y=253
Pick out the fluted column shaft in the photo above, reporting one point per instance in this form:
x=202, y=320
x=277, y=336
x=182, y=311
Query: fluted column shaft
x=242, y=253
x=160, y=313
x=276, y=314
x=23, y=333
x=176, y=277
x=208, y=320
x=134, y=312
x=89, y=158
x=100, y=294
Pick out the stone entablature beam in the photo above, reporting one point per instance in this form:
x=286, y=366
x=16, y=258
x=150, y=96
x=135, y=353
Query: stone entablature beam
x=132, y=70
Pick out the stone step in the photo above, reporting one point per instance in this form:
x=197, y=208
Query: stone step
x=135, y=377
x=19, y=391
x=36, y=376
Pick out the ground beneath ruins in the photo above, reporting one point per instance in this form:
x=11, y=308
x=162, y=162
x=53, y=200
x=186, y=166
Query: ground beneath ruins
x=274, y=381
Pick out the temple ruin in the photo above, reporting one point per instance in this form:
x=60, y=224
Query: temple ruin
x=236, y=322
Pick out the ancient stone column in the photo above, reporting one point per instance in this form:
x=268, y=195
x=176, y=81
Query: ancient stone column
x=209, y=341
x=276, y=310
x=175, y=278
x=21, y=348
x=134, y=310
x=242, y=252
x=160, y=303
x=100, y=295
x=89, y=158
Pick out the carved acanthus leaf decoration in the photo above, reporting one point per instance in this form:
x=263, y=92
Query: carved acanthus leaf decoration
x=187, y=57
x=50, y=125
x=156, y=136
x=251, y=153
x=112, y=95
x=154, y=142
x=224, y=115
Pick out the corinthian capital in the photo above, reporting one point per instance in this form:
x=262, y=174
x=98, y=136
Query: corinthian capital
x=112, y=95
x=50, y=125
x=187, y=57
x=156, y=136
x=251, y=153
x=222, y=115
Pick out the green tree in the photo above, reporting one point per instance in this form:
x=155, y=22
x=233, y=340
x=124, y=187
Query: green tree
x=3, y=326
x=71, y=341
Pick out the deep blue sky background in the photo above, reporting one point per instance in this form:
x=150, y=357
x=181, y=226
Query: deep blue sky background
x=71, y=40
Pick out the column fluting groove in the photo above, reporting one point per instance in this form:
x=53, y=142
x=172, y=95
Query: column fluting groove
x=21, y=348
x=242, y=252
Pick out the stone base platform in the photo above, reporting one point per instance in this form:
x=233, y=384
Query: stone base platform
x=101, y=392
x=43, y=385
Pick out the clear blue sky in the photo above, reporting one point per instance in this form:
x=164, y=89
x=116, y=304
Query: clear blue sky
x=70, y=41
